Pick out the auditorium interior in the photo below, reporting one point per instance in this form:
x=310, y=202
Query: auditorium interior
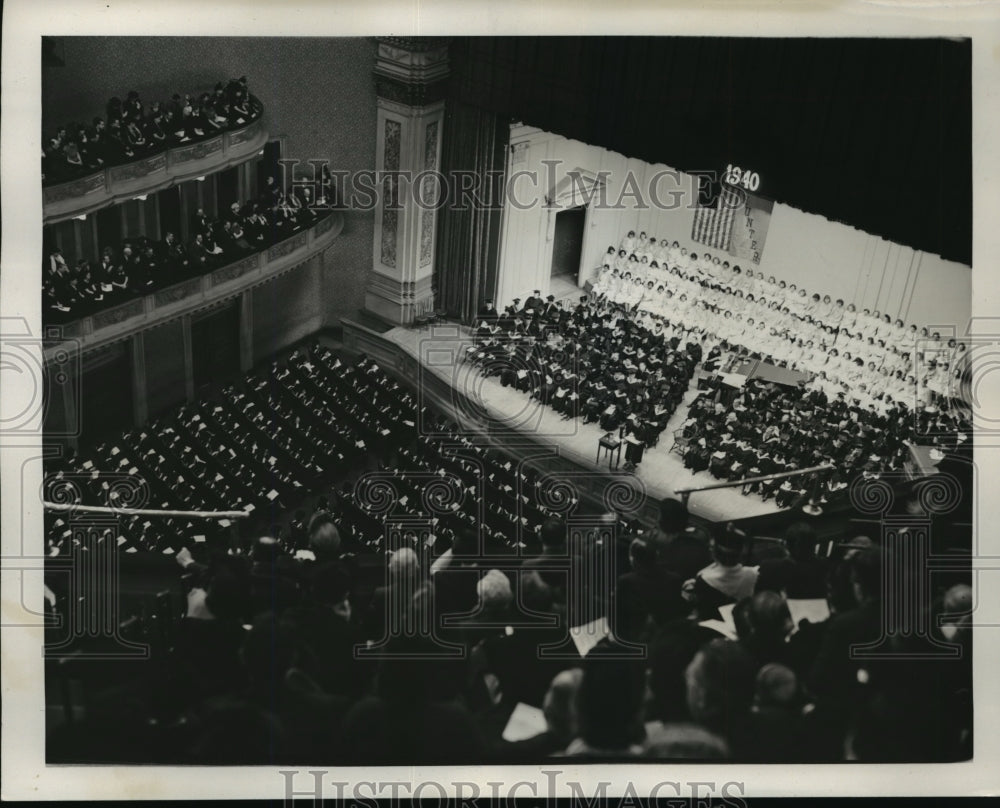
x=497, y=399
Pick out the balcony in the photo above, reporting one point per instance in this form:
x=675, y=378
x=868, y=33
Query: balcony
x=169, y=302
x=153, y=172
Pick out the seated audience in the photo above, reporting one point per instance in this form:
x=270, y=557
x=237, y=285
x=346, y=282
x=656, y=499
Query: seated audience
x=143, y=265
x=131, y=131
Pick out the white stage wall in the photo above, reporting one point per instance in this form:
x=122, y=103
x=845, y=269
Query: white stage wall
x=526, y=246
x=844, y=262
x=812, y=251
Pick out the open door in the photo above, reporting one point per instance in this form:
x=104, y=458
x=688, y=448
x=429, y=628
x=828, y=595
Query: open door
x=567, y=244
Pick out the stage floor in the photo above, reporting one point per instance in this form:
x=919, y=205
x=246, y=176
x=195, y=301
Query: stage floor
x=439, y=350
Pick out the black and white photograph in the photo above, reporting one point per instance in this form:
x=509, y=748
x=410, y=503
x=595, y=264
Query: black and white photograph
x=532, y=399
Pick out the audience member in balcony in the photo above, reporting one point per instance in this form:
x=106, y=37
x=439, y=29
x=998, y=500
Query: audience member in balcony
x=648, y=594
x=725, y=580
x=304, y=718
x=301, y=198
x=54, y=300
x=781, y=718
x=204, y=660
x=494, y=607
x=118, y=142
x=199, y=253
x=720, y=691
x=155, y=128
x=153, y=267
x=609, y=705
x=270, y=196
x=800, y=574
x=391, y=602
x=327, y=634
x=175, y=254
x=559, y=709
x=173, y=123
x=114, y=108
x=134, y=136
x=416, y=714
x=90, y=291
x=208, y=113
x=671, y=648
x=286, y=214
x=234, y=214
x=91, y=149
x=58, y=270
x=238, y=96
x=765, y=628
x=680, y=547
x=103, y=274
x=71, y=154
x=132, y=109
x=222, y=232
x=240, y=239
x=212, y=246
x=200, y=223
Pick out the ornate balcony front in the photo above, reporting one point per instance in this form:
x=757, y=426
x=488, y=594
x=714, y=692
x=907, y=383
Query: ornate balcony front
x=154, y=172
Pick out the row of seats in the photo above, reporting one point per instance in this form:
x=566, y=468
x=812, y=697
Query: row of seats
x=263, y=446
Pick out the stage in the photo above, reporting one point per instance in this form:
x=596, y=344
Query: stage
x=439, y=350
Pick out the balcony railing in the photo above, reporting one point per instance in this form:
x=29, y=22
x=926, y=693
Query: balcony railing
x=169, y=302
x=153, y=173
x=685, y=493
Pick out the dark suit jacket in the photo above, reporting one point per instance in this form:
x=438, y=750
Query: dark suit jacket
x=834, y=673
x=640, y=595
x=685, y=555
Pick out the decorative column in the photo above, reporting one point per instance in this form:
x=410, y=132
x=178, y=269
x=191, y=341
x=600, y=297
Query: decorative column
x=410, y=81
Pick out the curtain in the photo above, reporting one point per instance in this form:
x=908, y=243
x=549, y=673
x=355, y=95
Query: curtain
x=468, y=239
x=875, y=132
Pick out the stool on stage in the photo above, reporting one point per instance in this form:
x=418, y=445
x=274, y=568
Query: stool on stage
x=613, y=446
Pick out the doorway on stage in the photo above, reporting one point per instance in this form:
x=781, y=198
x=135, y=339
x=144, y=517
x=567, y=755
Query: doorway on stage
x=567, y=249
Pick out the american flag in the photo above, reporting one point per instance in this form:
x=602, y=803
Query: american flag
x=713, y=225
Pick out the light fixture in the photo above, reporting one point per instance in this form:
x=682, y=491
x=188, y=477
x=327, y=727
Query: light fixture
x=81, y=218
x=199, y=179
x=141, y=198
x=260, y=152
